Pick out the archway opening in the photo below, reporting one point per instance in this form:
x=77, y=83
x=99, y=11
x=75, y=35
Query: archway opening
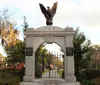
x=49, y=61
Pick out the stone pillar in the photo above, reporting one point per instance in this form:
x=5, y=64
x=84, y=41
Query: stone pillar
x=69, y=65
x=29, y=61
x=29, y=69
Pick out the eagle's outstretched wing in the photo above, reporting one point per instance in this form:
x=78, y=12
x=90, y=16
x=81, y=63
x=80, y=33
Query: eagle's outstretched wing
x=43, y=9
x=53, y=9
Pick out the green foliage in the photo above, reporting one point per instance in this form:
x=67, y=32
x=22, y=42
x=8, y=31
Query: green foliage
x=78, y=40
x=38, y=60
x=97, y=81
x=38, y=71
x=16, y=53
x=92, y=73
x=83, y=78
x=60, y=72
x=88, y=82
x=89, y=77
x=82, y=51
x=16, y=72
x=25, y=24
x=8, y=79
x=43, y=60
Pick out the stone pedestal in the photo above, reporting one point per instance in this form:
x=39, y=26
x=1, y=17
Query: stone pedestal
x=29, y=70
x=33, y=83
x=48, y=81
x=69, y=72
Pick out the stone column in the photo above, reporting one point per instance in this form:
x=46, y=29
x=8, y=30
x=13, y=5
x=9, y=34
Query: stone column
x=29, y=70
x=29, y=61
x=69, y=65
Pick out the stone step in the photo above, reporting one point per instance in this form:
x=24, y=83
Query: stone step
x=51, y=84
x=31, y=83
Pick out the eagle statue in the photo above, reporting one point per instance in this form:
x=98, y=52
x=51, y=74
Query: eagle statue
x=49, y=12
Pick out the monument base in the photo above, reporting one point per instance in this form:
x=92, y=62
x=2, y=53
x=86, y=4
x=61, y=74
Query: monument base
x=34, y=83
x=48, y=81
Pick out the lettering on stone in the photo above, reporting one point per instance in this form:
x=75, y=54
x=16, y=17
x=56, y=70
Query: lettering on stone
x=29, y=51
x=69, y=51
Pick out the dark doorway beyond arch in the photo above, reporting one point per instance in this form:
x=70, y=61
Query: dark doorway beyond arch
x=49, y=61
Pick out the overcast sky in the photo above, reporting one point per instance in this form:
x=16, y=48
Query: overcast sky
x=75, y=13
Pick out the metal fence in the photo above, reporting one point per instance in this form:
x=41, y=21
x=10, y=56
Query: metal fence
x=50, y=65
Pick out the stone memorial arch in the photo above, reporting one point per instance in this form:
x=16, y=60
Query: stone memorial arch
x=49, y=34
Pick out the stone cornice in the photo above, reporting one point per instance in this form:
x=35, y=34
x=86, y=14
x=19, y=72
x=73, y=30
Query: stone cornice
x=42, y=33
x=49, y=30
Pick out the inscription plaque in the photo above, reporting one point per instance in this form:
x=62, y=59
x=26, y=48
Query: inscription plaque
x=29, y=51
x=69, y=51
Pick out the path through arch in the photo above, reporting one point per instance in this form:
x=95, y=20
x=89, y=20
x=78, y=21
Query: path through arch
x=49, y=61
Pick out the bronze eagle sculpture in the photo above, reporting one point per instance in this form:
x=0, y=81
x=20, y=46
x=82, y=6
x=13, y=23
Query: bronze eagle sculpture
x=49, y=12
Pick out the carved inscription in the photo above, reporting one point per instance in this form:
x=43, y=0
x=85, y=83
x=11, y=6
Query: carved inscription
x=69, y=51
x=29, y=51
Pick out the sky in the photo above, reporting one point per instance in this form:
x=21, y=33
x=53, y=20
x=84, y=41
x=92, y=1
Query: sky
x=84, y=14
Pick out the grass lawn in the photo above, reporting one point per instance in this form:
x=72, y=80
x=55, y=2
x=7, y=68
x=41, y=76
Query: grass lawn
x=46, y=70
x=60, y=72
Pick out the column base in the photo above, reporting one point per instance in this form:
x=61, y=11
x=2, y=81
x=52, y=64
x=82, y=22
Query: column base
x=69, y=77
x=28, y=78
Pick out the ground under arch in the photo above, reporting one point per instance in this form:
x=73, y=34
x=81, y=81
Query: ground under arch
x=49, y=61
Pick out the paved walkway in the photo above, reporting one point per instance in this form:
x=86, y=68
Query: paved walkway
x=51, y=74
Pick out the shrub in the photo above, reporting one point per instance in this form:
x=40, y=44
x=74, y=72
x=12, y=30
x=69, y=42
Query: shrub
x=16, y=72
x=81, y=76
x=97, y=81
x=92, y=73
x=84, y=79
x=14, y=80
x=88, y=74
x=8, y=79
x=19, y=72
x=88, y=82
x=38, y=71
